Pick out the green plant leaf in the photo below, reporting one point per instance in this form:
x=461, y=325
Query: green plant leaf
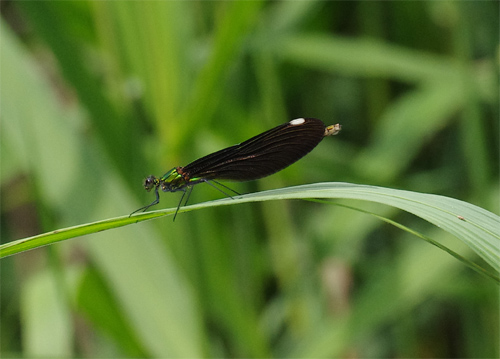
x=476, y=227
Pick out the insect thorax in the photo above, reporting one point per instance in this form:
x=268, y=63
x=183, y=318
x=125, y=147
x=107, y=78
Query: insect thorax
x=173, y=180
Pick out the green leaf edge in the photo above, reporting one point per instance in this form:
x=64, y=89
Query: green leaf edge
x=475, y=267
x=475, y=226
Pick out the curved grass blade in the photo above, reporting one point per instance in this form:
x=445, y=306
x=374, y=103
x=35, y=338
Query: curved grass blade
x=476, y=227
x=467, y=262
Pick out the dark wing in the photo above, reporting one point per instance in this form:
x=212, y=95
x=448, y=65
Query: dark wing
x=262, y=155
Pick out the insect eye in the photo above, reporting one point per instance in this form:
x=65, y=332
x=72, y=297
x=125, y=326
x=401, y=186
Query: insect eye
x=149, y=183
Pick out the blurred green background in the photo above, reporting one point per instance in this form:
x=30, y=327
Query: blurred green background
x=95, y=96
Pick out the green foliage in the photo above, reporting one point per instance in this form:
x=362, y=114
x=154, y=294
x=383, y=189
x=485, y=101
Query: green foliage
x=97, y=95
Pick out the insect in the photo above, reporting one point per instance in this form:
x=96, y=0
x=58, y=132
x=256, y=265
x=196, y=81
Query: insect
x=258, y=157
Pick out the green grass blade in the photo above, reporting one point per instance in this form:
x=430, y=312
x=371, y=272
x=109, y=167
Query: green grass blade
x=464, y=260
x=25, y=244
x=473, y=225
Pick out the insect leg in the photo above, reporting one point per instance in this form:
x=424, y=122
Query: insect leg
x=180, y=202
x=218, y=189
x=156, y=201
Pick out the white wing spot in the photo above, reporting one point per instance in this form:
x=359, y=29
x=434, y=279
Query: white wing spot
x=297, y=121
